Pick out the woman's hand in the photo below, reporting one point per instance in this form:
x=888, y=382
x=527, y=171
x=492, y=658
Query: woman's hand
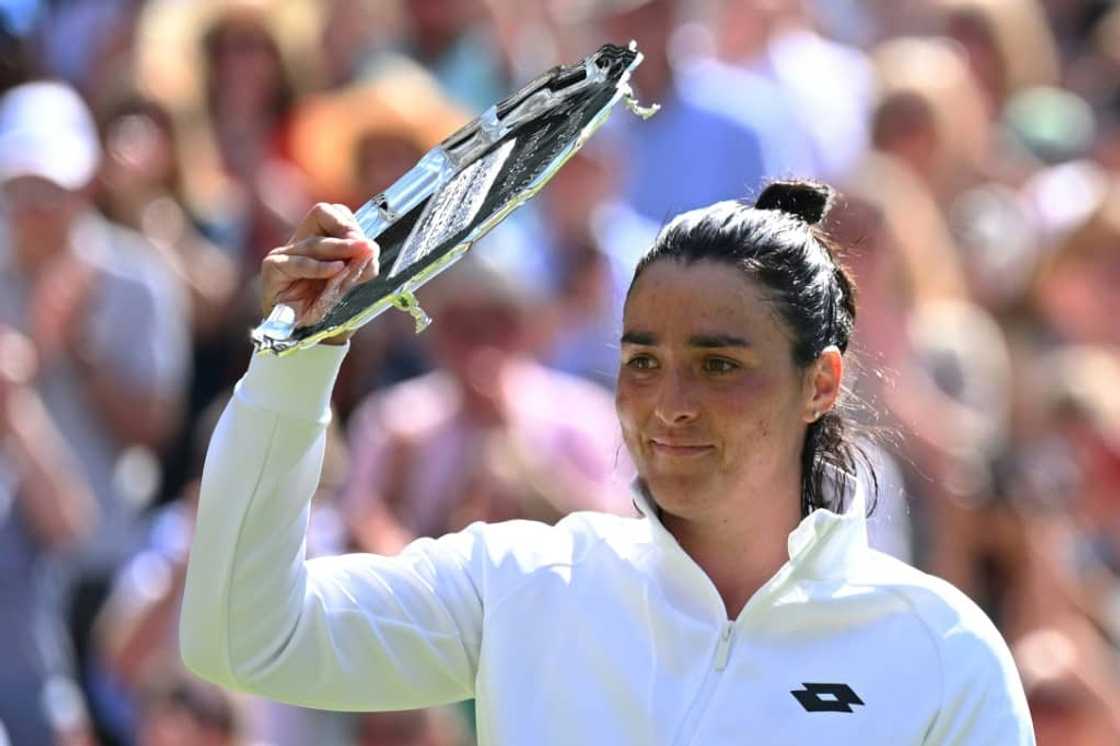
x=325, y=257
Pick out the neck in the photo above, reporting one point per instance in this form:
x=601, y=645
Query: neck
x=743, y=544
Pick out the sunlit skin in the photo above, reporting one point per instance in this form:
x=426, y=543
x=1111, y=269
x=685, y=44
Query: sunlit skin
x=714, y=410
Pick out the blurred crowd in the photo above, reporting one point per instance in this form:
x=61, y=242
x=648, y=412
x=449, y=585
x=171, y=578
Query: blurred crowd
x=152, y=151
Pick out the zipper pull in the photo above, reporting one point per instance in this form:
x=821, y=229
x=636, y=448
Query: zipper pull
x=723, y=647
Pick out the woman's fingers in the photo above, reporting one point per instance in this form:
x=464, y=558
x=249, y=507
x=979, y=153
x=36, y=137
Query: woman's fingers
x=295, y=267
x=318, y=247
x=325, y=219
x=370, y=270
x=326, y=256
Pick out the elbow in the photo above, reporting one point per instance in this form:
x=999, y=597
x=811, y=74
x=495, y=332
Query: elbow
x=195, y=651
x=201, y=649
x=202, y=656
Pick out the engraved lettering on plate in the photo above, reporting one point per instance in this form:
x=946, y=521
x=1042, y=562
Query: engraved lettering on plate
x=453, y=207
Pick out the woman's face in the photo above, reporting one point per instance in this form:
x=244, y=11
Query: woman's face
x=710, y=400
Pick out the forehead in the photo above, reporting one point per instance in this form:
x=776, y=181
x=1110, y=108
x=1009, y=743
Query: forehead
x=676, y=300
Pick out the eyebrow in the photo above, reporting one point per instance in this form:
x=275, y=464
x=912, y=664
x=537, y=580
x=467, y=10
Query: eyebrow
x=716, y=340
x=645, y=339
x=649, y=339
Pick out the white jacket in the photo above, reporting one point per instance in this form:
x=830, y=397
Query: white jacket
x=600, y=630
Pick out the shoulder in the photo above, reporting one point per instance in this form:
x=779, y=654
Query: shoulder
x=977, y=670
x=950, y=616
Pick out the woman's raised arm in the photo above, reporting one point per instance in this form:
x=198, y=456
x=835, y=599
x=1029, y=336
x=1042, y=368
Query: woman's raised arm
x=358, y=632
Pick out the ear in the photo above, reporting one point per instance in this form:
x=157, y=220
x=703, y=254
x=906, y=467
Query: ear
x=822, y=383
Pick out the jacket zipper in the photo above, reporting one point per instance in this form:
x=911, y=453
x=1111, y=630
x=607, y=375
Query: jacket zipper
x=704, y=695
x=723, y=647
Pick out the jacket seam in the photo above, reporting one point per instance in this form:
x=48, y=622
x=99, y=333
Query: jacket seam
x=937, y=650
x=226, y=599
x=472, y=659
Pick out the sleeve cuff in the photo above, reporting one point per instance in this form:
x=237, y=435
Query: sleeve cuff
x=298, y=385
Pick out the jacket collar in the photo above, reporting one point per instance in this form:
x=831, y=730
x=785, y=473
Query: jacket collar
x=825, y=545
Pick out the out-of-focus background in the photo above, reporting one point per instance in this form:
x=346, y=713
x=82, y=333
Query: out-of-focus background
x=151, y=152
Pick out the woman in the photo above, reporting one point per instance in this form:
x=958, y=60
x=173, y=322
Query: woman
x=699, y=622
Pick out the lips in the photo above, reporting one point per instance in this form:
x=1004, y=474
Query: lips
x=672, y=447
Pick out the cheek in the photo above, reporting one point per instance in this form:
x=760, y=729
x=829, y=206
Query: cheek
x=756, y=407
x=748, y=395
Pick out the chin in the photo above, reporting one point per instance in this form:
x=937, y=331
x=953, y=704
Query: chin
x=678, y=492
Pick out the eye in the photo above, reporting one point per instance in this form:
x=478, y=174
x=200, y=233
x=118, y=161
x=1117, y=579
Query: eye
x=642, y=362
x=719, y=365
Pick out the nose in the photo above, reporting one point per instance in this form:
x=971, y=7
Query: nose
x=676, y=399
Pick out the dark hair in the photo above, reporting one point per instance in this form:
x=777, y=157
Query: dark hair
x=779, y=244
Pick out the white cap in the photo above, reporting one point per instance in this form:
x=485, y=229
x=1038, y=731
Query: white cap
x=46, y=130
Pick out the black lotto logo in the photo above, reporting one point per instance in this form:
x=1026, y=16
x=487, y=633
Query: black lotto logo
x=826, y=697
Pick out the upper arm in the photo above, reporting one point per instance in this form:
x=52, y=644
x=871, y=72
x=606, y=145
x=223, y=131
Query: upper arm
x=377, y=632
x=357, y=632
x=982, y=696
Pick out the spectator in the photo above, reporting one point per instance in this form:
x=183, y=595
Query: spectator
x=1008, y=44
x=106, y=319
x=136, y=631
x=431, y=727
x=180, y=711
x=688, y=155
x=1075, y=289
x=978, y=142
x=256, y=57
x=915, y=157
x=45, y=508
x=353, y=33
x=454, y=40
x=140, y=186
x=829, y=87
x=354, y=143
x=590, y=241
x=489, y=435
x=1072, y=687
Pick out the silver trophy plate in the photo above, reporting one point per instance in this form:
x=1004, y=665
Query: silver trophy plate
x=459, y=190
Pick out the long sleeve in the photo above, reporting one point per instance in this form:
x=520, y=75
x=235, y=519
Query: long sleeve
x=357, y=632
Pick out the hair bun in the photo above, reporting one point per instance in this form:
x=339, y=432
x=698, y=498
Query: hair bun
x=807, y=200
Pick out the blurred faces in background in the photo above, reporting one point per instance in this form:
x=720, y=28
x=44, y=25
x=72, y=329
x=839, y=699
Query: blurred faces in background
x=1073, y=696
x=355, y=142
x=1076, y=285
x=45, y=167
x=977, y=141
